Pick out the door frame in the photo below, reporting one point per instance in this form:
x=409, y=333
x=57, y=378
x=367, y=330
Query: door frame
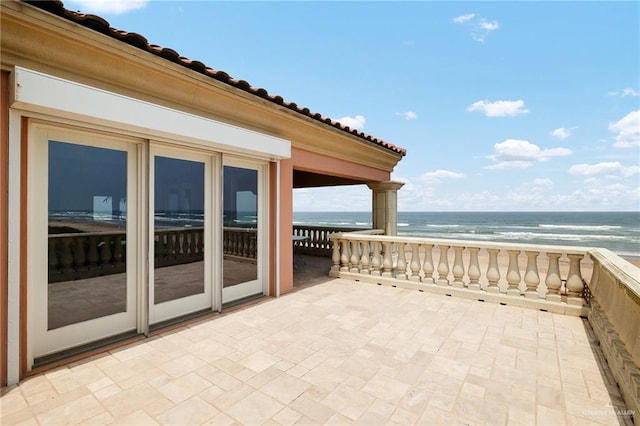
x=261, y=284
x=42, y=341
x=173, y=309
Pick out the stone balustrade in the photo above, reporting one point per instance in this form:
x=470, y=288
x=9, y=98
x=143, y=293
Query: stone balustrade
x=317, y=241
x=589, y=282
x=614, y=315
x=543, y=277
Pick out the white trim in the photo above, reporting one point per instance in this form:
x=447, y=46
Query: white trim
x=184, y=305
x=13, y=255
x=276, y=221
x=35, y=91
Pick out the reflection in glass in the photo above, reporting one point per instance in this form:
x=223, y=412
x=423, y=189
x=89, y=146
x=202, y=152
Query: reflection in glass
x=240, y=225
x=87, y=201
x=179, y=229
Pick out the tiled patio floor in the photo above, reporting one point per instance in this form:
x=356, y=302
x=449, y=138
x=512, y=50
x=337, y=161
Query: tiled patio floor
x=339, y=352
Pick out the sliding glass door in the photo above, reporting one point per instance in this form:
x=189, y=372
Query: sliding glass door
x=180, y=243
x=243, y=231
x=82, y=203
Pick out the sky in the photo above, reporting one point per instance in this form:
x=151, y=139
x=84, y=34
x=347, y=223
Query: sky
x=501, y=106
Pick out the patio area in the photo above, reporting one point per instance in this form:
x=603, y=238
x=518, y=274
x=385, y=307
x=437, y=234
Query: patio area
x=337, y=351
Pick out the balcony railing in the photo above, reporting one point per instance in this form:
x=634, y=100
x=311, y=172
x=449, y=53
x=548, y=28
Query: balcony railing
x=589, y=282
x=318, y=242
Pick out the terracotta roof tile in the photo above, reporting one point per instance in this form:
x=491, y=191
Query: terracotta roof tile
x=101, y=25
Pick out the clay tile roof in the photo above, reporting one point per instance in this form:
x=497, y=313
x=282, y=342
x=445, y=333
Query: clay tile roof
x=100, y=25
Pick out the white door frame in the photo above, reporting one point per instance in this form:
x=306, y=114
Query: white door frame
x=189, y=304
x=42, y=341
x=261, y=284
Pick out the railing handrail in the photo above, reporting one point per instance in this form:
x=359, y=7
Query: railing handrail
x=467, y=243
x=623, y=270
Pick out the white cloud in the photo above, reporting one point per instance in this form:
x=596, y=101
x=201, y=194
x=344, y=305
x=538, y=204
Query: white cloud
x=483, y=28
x=541, y=183
x=356, y=122
x=116, y=7
x=437, y=175
x=499, y=108
x=464, y=18
x=521, y=154
x=408, y=115
x=628, y=130
x=561, y=133
x=627, y=91
x=612, y=170
x=480, y=27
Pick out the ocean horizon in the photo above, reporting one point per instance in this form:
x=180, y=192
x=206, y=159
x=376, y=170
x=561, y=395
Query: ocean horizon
x=616, y=231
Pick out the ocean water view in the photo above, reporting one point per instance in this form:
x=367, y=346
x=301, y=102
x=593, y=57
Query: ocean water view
x=616, y=231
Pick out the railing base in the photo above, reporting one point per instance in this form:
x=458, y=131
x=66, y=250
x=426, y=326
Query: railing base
x=500, y=298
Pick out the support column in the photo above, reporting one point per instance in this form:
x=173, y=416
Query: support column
x=385, y=206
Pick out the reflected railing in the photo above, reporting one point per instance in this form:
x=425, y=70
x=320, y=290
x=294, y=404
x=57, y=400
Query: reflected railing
x=75, y=256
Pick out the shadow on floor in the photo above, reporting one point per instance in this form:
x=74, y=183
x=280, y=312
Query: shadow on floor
x=310, y=271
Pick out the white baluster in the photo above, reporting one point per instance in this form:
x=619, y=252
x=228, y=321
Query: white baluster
x=402, y=263
x=364, y=260
x=531, y=276
x=427, y=267
x=344, y=258
x=415, y=262
x=553, y=281
x=355, y=258
x=513, y=273
x=474, y=268
x=575, y=285
x=493, y=272
x=375, y=259
x=387, y=260
x=443, y=266
x=458, y=268
x=335, y=256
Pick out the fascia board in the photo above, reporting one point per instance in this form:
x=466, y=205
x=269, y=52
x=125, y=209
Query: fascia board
x=36, y=91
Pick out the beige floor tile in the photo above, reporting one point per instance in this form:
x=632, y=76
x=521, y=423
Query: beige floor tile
x=259, y=361
x=180, y=366
x=348, y=401
x=73, y=412
x=285, y=388
x=138, y=418
x=546, y=416
x=255, y=408
x=184, y=387
x=287, y=416
x=140, y=397
x=190, y=412
x=386, y=388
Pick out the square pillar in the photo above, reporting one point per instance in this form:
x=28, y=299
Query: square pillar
x=385, y=205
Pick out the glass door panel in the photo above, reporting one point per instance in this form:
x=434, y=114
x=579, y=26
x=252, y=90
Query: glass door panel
x=241, y=233
x=180, y=284
x=82, y=250
x=87, y=235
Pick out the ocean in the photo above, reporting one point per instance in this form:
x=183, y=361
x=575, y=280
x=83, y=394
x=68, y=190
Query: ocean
x=616, y=231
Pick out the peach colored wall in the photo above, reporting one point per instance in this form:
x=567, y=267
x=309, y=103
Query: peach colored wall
x=313, y=162
x=4, y=151
x=286, y=226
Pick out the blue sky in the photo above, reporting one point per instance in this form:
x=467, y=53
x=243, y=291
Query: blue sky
x=505, y=106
